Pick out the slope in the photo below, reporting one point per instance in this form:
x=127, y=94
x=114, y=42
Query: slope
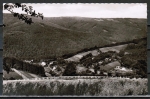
x=54, y=37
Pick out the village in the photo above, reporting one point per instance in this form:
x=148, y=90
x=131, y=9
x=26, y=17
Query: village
x=88, y=65
x=108, y=61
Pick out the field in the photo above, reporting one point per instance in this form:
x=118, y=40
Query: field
x=11, y=74
x=77, y=87
x=78, y=56
x=110, y=66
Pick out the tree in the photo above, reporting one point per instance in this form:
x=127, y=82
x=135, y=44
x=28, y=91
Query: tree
x=8, y=62
x=61, y=61
x=96, y=67
x=84, y=58
x=109, y=74
x=7, y=68
x=27, y=9
x=101, y=56
x=121, y=53
x=70, y=70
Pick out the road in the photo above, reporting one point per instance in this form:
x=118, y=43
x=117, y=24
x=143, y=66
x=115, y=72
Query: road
x=24, y=74
x=18, y=72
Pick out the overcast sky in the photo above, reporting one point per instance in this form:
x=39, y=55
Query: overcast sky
x=97, y=10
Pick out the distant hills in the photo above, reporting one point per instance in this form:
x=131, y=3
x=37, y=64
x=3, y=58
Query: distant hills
x=57, y=36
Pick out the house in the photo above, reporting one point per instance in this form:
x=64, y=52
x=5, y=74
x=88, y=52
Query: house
x=113, y=42
x=106, y=59
x=100, y=62
x=105, y=73
x=43, y=63
x=126, y=53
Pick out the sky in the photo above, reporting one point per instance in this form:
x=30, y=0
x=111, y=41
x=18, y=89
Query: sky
x=94, y=10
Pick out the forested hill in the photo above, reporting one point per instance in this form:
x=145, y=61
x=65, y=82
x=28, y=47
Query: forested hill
x=56, y=36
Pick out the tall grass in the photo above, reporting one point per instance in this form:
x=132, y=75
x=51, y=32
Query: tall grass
x=79, y=87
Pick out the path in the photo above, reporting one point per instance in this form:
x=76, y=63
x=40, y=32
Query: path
x=18, y=72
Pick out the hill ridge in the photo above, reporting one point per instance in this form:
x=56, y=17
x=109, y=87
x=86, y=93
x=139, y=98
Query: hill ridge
x=54, y=37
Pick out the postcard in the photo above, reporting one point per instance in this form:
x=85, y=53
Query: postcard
x=75, y=49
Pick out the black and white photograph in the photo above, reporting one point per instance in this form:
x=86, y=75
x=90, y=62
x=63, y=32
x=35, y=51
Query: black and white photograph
x=75, y=49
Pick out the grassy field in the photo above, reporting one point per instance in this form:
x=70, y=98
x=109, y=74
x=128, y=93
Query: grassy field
x=110, y=66
x=78, y=56
x=79, y=87
x=11, y=74
x=54, y=37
